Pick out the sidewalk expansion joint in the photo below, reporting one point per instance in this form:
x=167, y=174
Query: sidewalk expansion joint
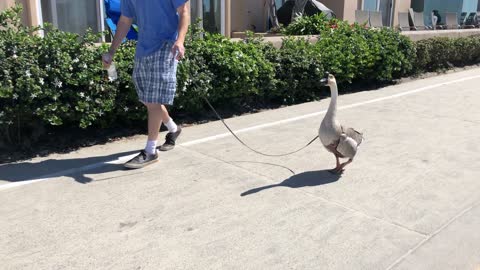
x=430, y=236
x=395, y=224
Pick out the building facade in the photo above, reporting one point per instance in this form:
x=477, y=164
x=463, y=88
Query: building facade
x=78, y=15
x=68, y=15
x=442, y=6
x=224, y=16
x=253, y=14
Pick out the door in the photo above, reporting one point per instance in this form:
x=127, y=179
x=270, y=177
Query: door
x=211, y=13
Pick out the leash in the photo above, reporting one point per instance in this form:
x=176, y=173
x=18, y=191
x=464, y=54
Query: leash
x=246, y=145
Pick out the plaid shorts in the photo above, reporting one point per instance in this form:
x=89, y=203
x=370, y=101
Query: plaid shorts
x=155, y=76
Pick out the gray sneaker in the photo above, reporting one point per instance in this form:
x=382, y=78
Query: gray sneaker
x=170, y=140
x=141, y=160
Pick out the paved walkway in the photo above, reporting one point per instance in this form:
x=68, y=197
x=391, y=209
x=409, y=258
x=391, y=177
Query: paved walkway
x=411, y=199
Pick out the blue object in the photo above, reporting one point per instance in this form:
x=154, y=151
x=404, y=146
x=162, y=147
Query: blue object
x=112, y=10
x=157, y=20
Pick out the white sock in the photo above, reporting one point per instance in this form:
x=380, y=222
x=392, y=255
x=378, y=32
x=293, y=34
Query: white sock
x=172, y=127
x=150, y=148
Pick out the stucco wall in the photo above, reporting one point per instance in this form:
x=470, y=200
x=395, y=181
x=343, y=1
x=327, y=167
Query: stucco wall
x=349, y=9
x=29, y=16
x=344, y=9
x=247, y=15
x=400, y=6
x=4, y=4
x=336, y=5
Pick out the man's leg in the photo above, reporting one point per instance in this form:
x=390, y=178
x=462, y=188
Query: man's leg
x=154, y=122
x=156, y=114
x=173, y=131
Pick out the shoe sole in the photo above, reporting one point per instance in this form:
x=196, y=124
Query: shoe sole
x=173, y=146
x=139, y=166
x=161, y=148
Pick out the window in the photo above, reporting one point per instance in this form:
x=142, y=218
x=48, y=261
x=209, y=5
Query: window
x=384, y=6
x=470, y=5
x=210, y=12
x=212, y=15
x=73, y=15
x=370, y=5
x=279, y=3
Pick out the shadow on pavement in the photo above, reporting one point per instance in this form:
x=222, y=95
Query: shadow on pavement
x=51, y=168
x=263, y=163
x=305, y=179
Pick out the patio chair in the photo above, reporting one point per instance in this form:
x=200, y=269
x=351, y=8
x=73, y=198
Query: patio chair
x=112, y=10
x=419, y=21
x=469, y=21
x=403, y=21
x=361, y=17
x=376, y=20
x=463, y=17
x=438, y=20
x=451, y=20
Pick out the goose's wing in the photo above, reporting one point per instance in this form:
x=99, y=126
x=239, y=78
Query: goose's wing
x=355, y=135
x=347, y=147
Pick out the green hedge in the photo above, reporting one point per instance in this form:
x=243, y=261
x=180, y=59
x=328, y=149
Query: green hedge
x=442, y=53
x=58, y=80
x=51, y=81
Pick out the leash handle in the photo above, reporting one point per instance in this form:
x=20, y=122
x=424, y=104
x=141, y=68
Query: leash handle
x=246, y=145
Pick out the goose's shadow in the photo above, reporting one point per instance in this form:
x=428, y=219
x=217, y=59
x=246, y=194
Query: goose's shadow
x=305, y=179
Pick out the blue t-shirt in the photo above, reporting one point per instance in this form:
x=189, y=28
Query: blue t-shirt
x=157, y=21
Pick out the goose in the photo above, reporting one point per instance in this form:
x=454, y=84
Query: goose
x=342, y=141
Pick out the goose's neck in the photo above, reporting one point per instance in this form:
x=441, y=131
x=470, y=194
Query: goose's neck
x=332, y=109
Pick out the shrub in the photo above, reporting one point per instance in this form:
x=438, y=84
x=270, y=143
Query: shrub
x=307, y=25
x=393, y=55
x=354, y=52
x=193, y=75
x=442, y=53
x=128, y=110
x=58, y=80
x=298, y=71
x=55, y=80
x=226, y=72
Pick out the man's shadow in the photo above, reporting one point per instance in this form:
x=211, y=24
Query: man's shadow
x=305, y=179
x=76, y=168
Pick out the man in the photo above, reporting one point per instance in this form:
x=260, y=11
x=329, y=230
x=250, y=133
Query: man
x=163, y=25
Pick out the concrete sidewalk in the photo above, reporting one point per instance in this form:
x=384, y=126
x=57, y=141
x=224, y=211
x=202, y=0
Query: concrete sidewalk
x=411, y=199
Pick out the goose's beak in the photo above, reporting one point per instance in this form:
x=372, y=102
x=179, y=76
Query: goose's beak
x=324, y=80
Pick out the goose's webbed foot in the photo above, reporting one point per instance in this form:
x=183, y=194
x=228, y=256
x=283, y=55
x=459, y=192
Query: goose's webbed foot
x=340, y=167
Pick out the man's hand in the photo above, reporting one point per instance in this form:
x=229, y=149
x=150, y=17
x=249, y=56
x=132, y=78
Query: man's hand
x=123, y=26
x=178, y=50
x=107, y=59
